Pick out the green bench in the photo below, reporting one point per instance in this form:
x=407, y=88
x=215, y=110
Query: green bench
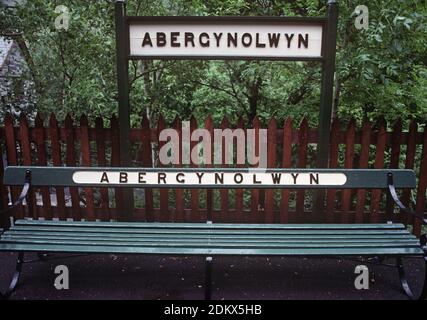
x=378, y=241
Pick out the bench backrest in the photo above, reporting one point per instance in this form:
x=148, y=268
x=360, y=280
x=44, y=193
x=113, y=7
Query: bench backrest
x=213, y=178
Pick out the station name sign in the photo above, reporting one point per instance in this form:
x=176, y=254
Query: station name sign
x=200, y=179
x=225, y=38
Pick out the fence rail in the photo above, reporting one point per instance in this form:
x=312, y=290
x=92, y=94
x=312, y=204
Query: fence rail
x=289, y=145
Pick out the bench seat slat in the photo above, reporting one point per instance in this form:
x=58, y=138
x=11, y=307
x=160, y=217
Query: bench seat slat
x=198, y=237
x=411, y=251
x=209, y=244
x=153, y=225
x=211, y=239
x=210, y=231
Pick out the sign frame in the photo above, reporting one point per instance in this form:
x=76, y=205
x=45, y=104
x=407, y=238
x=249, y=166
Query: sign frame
x=238, y=20
x=327, y=60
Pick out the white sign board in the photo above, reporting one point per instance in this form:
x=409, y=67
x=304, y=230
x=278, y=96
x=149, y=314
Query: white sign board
x=201, y=179
x=227, y=39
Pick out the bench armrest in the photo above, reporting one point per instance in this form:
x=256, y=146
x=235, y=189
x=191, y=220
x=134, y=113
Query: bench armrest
x=402, y=207
x=23, y=195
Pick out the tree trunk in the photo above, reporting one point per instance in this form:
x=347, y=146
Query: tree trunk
x=254, y=97
x=336, y=97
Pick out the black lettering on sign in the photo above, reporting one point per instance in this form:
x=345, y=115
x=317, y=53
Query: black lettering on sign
x=104, y=177
x=141, y=177
x=161, y=176
x=219, y=177
x=255, y=180
x=273, y=39
x=217, y=38
x=314, y=178
x=204, y=43
x=289, y=38
x=200, y=175
x=231, y=39
x=238, y=181
x=246, y=39
x=123, y=177
x=147, y=40
x=179, y=178
x=302, y=40
x=189, y=37
x=295, y=176
x=161, y=39
x=276, y=177
x=174, y=38
x=259, y=44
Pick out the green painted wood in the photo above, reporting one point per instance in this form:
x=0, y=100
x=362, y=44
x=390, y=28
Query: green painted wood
x=221, y=244
x=198, y=237
x=153, y=225
x=201, y=236
x=214, y=251
x=210, y=239
x=212, y=231
x=369, y=242
x=209, y=244
x=356, y=178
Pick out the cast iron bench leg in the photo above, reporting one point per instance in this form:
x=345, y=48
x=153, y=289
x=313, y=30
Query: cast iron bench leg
x=208, y=279
x=423, y=295
x=15, y=279
x=423, y=241
x=403, y=280
x=405, y=284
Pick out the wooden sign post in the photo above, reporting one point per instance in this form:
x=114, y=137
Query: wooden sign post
x=227, y=38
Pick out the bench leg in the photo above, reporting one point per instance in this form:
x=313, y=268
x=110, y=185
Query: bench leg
x=208, y=279
x=403, y=280
x=423, y=295
x=14, y=282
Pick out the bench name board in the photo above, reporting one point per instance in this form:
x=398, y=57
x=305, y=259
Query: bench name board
x=225, y=38
x=214, y=178
x=209, y=178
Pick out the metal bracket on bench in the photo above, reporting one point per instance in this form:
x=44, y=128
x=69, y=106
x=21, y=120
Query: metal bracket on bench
x=23, y=195
x=393, y=193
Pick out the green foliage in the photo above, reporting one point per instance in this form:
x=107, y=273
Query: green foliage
x=381, y=71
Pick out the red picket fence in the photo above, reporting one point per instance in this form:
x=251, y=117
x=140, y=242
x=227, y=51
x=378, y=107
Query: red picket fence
x=289, y=146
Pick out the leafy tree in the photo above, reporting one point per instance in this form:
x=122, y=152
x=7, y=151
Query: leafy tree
x=381, y=71
x=379, y=68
